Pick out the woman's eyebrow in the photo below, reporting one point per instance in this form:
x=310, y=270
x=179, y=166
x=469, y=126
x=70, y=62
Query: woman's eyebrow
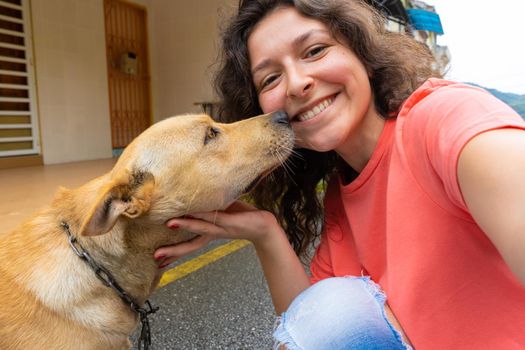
x=299, y=41
x=265, y=63
x=296, y=43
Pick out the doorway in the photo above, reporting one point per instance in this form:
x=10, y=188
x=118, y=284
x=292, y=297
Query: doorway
x=128, y=71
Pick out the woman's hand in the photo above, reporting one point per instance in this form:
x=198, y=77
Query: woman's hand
x=283, y=271
x=239, y=221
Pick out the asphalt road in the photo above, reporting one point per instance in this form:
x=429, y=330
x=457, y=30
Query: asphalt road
x=224, y=305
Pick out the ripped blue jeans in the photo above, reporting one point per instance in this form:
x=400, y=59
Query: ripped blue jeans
x=335, y=314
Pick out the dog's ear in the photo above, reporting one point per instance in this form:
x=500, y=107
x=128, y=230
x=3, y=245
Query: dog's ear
x=129, y=195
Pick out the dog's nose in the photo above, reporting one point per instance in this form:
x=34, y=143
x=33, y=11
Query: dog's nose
x=280, y=117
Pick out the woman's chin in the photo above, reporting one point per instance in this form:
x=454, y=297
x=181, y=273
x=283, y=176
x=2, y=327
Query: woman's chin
x=316, y=146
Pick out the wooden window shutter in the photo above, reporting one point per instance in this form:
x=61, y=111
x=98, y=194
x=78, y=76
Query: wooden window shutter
x=19, y=133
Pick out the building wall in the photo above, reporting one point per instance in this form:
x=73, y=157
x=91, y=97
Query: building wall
x=71, y=72
x=183, y=46
x=71, y=77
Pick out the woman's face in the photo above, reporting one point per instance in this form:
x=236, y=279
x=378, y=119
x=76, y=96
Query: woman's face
x=299, y=67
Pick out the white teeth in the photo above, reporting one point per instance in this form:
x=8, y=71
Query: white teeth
x=316, y=110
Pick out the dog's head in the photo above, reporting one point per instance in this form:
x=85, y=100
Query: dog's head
x=189, y=163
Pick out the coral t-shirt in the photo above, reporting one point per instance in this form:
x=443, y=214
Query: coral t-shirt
x=404, y=222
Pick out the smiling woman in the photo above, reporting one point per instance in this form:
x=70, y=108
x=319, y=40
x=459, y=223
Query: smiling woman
x=394, y=65
x=412, y=165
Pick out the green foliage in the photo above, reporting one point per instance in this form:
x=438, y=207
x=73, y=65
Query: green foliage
x=520, y=108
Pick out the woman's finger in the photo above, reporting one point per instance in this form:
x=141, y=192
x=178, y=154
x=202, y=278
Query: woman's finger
x=221, y=218
x=181, y=249
x=208, y=222
x=239, y=205
x=167, y=261
x=202, y=224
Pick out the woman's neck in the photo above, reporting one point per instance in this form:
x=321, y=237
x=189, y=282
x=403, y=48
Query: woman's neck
x=360, y=145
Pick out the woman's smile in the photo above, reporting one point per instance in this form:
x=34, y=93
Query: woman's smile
x=313, y=112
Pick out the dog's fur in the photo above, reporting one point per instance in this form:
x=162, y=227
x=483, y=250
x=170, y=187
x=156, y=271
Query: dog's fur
x=50, y=299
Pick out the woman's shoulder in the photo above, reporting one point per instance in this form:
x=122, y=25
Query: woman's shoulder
x=440, y=102
x=440, y=93
x=441, y=120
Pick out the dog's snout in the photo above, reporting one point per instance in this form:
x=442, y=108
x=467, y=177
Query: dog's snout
x=280, y=117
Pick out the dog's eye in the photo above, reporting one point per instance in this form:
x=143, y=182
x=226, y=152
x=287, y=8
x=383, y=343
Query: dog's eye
x=211, y=133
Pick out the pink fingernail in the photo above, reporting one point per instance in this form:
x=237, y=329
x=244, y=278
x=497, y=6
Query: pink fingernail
x=160, y=257
x=173, y=225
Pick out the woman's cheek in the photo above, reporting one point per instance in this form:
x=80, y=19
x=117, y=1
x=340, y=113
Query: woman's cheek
x=271, y=101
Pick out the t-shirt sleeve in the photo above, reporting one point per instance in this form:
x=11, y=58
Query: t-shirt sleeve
x=442, y=123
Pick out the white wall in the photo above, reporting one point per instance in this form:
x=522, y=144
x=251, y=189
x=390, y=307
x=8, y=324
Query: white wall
x=71, y=72
x=184, y=37
x=71, y=76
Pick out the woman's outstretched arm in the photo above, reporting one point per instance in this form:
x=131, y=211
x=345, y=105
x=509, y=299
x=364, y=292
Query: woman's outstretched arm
x=491, y=172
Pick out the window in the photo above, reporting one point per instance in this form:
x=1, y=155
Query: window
x=19, y=133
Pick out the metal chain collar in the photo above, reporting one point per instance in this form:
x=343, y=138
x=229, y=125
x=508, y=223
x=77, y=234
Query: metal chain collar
x=109, y=281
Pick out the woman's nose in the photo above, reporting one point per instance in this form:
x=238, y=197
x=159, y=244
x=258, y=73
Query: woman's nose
x=299, y=83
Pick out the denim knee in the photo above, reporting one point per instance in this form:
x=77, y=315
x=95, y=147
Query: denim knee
x=338, y=313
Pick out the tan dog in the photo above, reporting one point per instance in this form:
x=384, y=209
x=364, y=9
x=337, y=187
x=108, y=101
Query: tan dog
x=51, y=299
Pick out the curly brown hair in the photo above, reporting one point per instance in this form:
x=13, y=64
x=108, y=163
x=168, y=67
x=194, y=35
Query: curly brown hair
x=397, y=65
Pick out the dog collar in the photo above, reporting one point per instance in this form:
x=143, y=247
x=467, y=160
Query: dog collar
x=109, y=281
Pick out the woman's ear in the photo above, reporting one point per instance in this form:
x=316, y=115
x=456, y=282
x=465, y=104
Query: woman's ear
x=128, y=195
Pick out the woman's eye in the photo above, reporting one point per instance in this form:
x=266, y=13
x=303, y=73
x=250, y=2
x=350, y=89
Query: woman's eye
x=211, y=133
x=315, y=51
x=268, y=81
